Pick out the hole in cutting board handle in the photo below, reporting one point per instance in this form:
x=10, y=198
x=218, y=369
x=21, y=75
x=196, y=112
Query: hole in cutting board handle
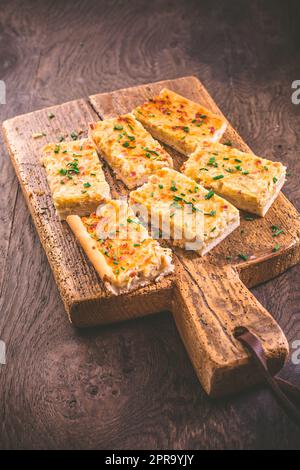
x=239, y=330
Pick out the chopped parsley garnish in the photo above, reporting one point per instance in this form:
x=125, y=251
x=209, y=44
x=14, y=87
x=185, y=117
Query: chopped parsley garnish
x=243, y=257
x=275, y=179
x=151, y=151
x=211, y=213
x=87, y=185
x=225, y=158
x=173, y=187
x=132, y=221
x=136, y=244
x=63, y=171
x=238, y=167
x=228, y=143
x=218, y=177
x=51, y=115
x=266, y=168
x=120, y=136
x=186, y=129
x=73, y=166
x=61, y=138
x=276, y=248
x=128, y=146
x=212, y=161
x=238, y=160
x=248, y=217
x=277, y=232
x=57, y=149
x=213, y=229
x=246, y=172
x=160, y=186
x=209, y=194
x=118, y=127
x=179, y=198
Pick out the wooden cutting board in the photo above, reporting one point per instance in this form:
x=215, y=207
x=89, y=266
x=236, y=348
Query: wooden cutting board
x=208, y=296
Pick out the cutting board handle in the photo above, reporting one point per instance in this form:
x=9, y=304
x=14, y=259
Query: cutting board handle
x=210, y=304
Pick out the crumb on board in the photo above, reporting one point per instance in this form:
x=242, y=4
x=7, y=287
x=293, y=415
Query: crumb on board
x=38, y=135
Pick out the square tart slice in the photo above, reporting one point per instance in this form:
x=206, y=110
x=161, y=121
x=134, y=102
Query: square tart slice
x=75, y=177
x=129, y=149
x=196, y=219
x=120, y=248
x=249, y=182
x=179, y=122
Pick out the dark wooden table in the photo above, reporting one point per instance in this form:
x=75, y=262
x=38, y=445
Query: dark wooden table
x=131, y=385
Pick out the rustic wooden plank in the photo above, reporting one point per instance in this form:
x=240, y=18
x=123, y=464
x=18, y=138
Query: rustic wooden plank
x=86, y=300
x=79, y=286
x=210, y=303
x=210, y=299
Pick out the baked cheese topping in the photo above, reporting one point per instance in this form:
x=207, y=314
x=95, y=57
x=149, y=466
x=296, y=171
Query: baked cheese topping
x=129, y=149
x=171, y=192
x=236, y=175
x=178, y=121
x=126, y=245
x=75, y=175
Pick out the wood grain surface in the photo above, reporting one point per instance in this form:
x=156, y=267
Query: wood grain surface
x=210, y=300
x=207, y=297
x=86, y=300
x=131, y=385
